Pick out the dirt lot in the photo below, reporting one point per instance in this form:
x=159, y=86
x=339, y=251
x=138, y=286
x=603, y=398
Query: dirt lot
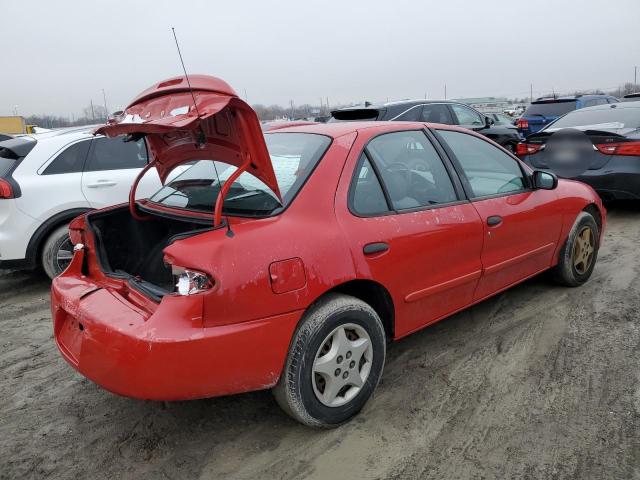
x=539, y=382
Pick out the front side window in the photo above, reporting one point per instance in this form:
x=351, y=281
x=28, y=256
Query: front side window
x=411, y=170
x=70, y=160
x=466, y=116
x=116, y=154
x=437, y=113
x=488, y=169
x=293, y=156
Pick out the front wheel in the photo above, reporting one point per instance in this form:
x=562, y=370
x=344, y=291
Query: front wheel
x=57, y=252
x=578, y=256
x=335, y=362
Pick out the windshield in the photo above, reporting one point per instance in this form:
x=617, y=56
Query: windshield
x=552, y=109
x=293, y=156
x=607, y=118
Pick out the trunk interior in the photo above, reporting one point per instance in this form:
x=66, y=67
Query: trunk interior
x=132, y=249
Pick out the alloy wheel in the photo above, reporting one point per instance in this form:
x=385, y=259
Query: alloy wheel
x=583, y=250
x=64, y=255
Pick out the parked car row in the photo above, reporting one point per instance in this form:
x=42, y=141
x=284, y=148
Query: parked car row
x=288, y=260
x=442, y=111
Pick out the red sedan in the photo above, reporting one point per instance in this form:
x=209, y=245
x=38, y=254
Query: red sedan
x=288, y=260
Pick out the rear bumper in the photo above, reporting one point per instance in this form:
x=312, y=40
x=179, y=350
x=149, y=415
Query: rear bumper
x=614, y=183
x=164, y=355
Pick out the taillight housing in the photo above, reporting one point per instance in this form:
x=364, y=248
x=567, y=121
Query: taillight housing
x=76, y=230
x=523, y=149
x=622, y=148
x=522, y=123
x=190, y=281
x=6, y=190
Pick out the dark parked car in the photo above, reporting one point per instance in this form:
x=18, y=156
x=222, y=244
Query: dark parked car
x=434, y=111
x=612, y=158
x=4, y=137
x=545, y=110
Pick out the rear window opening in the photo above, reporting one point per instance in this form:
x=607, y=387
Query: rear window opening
x=550, y=108
x=12, y=151
x=293, y=157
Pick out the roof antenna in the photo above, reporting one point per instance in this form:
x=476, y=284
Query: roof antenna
x=201, y=135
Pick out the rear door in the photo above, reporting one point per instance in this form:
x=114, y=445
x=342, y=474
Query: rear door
x=409, y=227
x=110, y=169
x=521, y=225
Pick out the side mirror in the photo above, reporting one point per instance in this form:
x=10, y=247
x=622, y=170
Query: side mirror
x=544, y=180
x=488, y=122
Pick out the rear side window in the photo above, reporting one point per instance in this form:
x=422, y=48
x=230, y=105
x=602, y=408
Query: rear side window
x=551, y=109
x=70, y=160
x=411, y=170
x=411, y=115
x=466, y=116
x=116, y=154
x=437, y=113
x=488, y=169
x=368, y=197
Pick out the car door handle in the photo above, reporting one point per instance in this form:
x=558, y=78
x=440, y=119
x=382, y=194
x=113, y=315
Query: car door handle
x=102, y=184
x=376, y=247
x=494, y=220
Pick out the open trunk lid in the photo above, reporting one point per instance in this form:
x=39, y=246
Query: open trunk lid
x=206, y=120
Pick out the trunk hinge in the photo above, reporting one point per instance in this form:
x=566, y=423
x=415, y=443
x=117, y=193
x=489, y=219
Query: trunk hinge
x=134, y=187
x=217, y=216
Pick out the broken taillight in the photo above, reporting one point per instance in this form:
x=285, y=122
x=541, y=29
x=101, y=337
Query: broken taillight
x=189, y=281
x=625, y=148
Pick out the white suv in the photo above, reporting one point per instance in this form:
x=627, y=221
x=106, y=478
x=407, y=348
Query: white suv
x=48, y=179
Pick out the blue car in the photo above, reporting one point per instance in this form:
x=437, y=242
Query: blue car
x=545, y=110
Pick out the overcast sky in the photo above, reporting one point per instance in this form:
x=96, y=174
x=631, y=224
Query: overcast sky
x=59, y=55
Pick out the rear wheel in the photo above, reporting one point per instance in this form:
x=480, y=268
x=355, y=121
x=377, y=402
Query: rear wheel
x=57, y=251
x=334, y=364
x=578, y=255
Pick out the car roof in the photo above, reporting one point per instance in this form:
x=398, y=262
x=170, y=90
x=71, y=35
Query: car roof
x=377, y=106
x=565, y=98
x=58, y=132
x=620, y=105
x=338, y=129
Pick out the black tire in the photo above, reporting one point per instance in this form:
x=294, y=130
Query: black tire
x=57, y=240
x=296, y=390
x=565, y=272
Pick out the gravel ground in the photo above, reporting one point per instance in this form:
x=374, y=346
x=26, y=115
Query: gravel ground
x=538, y=382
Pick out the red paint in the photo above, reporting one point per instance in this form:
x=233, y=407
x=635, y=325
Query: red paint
x=235, y=337
x=287, y=275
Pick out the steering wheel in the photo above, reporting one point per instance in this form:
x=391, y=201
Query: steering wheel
x=420, y=188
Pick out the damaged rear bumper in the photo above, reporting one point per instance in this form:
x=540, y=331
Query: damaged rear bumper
x=165, y=354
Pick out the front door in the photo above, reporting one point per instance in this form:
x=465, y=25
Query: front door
x=409, y=227
x=521, y=225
